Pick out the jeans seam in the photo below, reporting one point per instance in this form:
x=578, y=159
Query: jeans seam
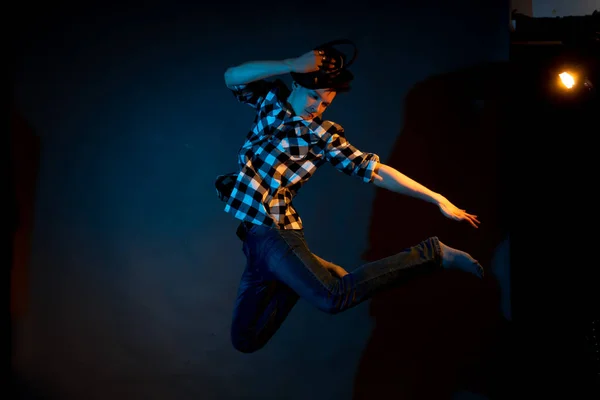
x=300, y=258
x=436, y=258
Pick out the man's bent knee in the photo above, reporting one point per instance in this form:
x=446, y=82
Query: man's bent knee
x=245, y=345
x=331, y=305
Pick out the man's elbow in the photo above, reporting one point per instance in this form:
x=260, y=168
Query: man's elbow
x=229, y=76
x=378, y=176
x=378, y=182
x=377, y=167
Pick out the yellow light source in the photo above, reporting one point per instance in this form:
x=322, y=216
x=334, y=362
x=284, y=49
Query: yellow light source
x=567, y=80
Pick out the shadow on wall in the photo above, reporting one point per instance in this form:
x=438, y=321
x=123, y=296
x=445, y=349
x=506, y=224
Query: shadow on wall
x=445, y=333
x=24, y=151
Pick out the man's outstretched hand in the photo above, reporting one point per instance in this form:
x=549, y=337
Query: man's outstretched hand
x=455, y=213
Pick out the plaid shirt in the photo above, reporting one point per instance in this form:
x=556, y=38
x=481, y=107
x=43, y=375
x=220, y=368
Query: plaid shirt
x=281, y=152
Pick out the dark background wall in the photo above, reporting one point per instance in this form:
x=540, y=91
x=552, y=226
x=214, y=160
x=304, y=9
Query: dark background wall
x=134, y=265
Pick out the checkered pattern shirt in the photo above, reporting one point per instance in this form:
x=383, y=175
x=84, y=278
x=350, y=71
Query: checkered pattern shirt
x=281, y=152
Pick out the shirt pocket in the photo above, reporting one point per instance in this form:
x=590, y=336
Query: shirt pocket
x=296, y=148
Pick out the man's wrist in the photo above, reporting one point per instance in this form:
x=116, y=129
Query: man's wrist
x=288, y=64
x=436, y=198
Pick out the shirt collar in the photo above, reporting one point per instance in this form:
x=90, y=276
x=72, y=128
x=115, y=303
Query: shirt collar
x=290, y=116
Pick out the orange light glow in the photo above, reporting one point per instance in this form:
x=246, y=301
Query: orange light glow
x=567, y=80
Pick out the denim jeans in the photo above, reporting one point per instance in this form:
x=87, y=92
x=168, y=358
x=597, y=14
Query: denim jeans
x=280, y=269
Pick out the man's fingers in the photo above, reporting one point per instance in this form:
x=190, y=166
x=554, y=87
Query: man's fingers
x=474, y=222
x=471, y=219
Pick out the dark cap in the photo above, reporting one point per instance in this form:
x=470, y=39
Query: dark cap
x=338, y=79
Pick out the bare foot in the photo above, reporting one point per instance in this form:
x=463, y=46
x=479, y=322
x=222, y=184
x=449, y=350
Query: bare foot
x=457, y=259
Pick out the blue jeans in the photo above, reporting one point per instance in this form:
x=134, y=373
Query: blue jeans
x=280, y=269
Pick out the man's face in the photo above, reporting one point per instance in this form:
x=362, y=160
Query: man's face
x=310, y=103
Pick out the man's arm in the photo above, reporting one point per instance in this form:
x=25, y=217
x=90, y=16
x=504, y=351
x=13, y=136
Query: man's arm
x=389, y=178
x=255, y=70
x=347, y=158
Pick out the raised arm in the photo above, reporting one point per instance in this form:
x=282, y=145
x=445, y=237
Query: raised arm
x=256, y=70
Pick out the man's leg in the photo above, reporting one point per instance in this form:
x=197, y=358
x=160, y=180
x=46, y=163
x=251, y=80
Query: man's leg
x=261, y=306
x=291, y=262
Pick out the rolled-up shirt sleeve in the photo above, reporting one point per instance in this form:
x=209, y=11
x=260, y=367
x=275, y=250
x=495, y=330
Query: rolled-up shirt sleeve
x=253, y=93
x=345, y=157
